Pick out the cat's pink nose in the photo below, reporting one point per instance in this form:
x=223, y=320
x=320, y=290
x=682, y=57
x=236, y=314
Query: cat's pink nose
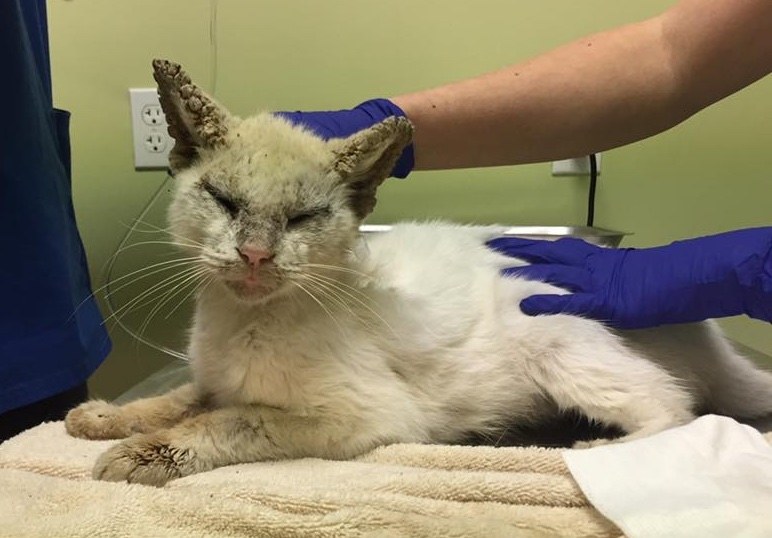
x=253, y=256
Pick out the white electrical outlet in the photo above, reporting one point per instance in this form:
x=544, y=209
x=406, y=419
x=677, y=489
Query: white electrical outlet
x=574, y=167
x=152, y=143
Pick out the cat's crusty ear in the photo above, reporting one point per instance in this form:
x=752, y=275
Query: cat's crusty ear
x=366, y=158
x=195, y=120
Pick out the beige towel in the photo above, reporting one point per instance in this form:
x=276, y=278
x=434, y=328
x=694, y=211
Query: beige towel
x=398, y=490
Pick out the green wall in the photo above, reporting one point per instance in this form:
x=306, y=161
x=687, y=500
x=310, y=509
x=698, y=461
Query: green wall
x=709, y=174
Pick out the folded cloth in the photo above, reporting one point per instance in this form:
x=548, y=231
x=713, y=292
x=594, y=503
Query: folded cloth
x=398, y=490
x=712, y=477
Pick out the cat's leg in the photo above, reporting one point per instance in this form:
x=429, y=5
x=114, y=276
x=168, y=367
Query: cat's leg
x=738, y=387
x=232, y=435
x=98, y=419
x=725, y=382
x=611, y=384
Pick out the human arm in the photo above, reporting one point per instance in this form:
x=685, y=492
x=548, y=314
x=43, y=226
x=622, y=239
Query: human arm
x=599, y=92
x=716, y=276
x=596, y=93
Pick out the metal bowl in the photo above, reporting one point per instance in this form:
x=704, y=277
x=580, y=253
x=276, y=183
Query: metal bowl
x=591, y=234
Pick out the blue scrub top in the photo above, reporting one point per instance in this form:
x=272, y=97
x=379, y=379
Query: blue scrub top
x=48, y=343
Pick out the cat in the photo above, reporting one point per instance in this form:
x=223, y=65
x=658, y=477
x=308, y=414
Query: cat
x=313, y=341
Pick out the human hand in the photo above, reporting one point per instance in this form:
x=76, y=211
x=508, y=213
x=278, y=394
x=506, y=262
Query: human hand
x=343, y=123
x=687, y=281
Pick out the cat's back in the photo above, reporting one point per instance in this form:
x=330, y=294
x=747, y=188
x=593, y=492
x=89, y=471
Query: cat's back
x=424, y=257
x=446, y=285
x=441, y=261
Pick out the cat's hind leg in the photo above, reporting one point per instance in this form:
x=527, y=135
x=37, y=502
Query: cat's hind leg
x=609, y=383
x=738, y=387
x=98, y=419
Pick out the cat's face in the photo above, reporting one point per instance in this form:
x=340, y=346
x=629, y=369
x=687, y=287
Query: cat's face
x=264, y=211
x=265, y=206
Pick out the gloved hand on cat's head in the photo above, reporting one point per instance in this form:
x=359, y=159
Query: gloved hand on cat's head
x=343, y=123
x=687, y=281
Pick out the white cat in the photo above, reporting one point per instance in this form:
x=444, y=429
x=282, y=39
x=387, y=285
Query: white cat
x=310, y=341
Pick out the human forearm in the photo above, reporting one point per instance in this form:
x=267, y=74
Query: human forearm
x=586, y=96
x=599, y=92
x=594, y=94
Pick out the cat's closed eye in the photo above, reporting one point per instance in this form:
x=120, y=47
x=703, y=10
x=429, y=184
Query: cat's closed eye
x=305, y=216
x=227, y=203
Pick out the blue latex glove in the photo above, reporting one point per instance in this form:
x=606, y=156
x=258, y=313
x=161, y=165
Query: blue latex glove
x=343, y=123
x=687, y=281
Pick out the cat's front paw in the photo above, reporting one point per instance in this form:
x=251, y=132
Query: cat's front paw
x=98, y=420
x=149, y=459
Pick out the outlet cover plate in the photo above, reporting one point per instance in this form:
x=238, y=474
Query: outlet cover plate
x=151, y=140
x=574, y=167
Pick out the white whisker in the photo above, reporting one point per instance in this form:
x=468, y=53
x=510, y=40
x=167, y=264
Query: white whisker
x=147, y=297
x=296, y=283
x=330, y=294
x=336, y=268
x=165, y=282
x=167, y=232
x=201, y=286
x=333, y=294
x=146, y=272
x=340, y=287
x=168, y=265
x=152, y=242
x=178, y=287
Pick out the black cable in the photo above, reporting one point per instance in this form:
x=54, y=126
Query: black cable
x=593, y=185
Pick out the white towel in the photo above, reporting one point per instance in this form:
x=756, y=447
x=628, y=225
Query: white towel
x=399, y=490
x=710, y=478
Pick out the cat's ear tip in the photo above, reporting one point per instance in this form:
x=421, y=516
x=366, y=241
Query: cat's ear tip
x=400, y=125
x=164, y=67
x=407, y=126
x=399, y=121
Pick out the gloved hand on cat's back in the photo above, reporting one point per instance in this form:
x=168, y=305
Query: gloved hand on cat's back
x=343, y=123
x=687, y=281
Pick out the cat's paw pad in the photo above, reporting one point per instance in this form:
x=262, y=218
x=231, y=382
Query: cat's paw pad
x=148, y=459
x=97, y=420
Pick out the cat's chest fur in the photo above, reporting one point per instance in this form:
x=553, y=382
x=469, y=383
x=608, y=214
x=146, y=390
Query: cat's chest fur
x=274, y=356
